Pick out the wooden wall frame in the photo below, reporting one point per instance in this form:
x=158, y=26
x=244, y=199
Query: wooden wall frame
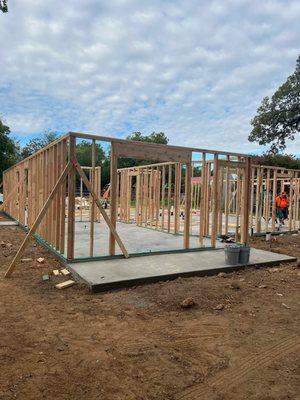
x=40, y=191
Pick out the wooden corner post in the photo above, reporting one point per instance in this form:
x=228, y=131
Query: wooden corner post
x=113, y=198
x=93, y=183
x=187, y=207
x=246, y=202
x=71, y=199
x=215, y=201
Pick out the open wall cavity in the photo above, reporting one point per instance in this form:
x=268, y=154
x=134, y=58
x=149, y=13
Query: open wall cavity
x=198, y=205
x=267, y=184
x=152, y=196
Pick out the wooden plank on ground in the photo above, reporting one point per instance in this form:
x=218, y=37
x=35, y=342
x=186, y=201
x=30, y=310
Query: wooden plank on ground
x=65, y=272
x=64, y=285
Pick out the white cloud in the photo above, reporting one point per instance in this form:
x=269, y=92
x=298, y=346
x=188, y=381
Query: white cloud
x=194, y=69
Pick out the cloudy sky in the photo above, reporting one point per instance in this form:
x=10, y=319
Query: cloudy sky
x=195, y=69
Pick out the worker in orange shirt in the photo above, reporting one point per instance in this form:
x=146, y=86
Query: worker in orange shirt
x=282, y=204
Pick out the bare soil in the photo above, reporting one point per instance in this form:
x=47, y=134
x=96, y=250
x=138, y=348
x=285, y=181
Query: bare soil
x=240, y=340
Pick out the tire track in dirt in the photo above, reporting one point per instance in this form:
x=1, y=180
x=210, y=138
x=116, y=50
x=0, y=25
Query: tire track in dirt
x=182, y=342
x=175, y=335
x=227, y=380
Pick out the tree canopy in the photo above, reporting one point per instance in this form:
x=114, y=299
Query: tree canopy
x=84, y=154
x=9, y=150
x=278, y=117
x=154, y=137
x=38, y=143
x=3, y=6
x=277, y=160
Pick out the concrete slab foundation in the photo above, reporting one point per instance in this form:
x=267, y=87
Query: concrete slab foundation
x=135, y=238
x=118, y=273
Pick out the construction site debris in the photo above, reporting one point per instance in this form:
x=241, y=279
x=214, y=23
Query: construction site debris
x=189, y=302
x=271, y=270
x=65, y=272
x=65, y=284
x=219, y=307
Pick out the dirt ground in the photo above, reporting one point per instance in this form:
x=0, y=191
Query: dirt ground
x=240, y=341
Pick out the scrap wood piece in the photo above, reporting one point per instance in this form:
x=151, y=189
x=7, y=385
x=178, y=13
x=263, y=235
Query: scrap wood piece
x=56, y=272
x=23, y=260
x=64, y=285
x=65, y=272
x=40, y=260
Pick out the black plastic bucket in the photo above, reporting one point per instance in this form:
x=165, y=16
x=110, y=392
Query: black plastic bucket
x=232, y=253
x=244, y=255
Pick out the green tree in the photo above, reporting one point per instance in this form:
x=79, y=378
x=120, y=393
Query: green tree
x=9, y=149
x=105, y=172
x=84, y=154
x=154, y=137
x=278, y=118
x=84, y=157
x=38, y=143
x=277, y=160
x=3, y=6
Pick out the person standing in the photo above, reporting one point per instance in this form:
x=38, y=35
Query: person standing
x=282, y=204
